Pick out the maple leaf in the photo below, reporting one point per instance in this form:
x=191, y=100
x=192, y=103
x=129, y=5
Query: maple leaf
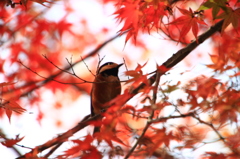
x=64, y=26
x=136, y=74
x=138, y=78
x=11, y=106
x=129, y=13
x=83, y=149
x=11, y=142
x=189, y=20
x=230, y=16
x=171, y=88
x=216, y=6
x=219, y=61
x=140, y=15
x=153, y=15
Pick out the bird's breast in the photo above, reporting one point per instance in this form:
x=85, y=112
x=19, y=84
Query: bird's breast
x=105, y=89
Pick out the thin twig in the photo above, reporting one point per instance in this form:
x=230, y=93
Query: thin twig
x=162, y=119
x=73, y=72
x=51, y=77
x=24, y=146
x=138, y=116
x=125, y=67
x=99, y=62
x=66, y=70
x=217, y=132
x=99, y=59
x=63, y=70
x=87, y=66
x=70, y=64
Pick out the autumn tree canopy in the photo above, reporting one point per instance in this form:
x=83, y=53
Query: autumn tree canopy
x=180, y=80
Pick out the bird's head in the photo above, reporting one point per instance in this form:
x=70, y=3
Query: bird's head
x=109, y=68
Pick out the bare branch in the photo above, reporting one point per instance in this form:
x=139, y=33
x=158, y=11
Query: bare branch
x=87, y=66
x=51, y=78
x=74, y=74
x=125, y=66
x=63, y=70
x=99, y=61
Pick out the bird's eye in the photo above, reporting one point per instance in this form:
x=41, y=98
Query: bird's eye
x=110, y=63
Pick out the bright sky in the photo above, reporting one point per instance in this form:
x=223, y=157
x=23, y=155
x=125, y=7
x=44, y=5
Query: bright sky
x=98, y=17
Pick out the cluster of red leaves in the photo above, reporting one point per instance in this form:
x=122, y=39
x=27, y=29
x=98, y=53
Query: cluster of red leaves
x=148, y=15
x=140, y=15
x=137, y=76
x=9, y=104
x=83, y=148
x=226, y=56
x=189, y=20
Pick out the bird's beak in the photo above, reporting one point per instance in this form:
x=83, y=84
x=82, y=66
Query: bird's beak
x=120, y=65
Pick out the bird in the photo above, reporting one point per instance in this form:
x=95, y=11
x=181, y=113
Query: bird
x=105, y=87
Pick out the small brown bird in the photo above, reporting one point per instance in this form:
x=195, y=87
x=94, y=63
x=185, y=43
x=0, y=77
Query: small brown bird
x=106, y=87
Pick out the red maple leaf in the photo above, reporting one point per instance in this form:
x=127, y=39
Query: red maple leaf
x=189, y=20
x=10, y=106
x=130, y=13
x=11, y=142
